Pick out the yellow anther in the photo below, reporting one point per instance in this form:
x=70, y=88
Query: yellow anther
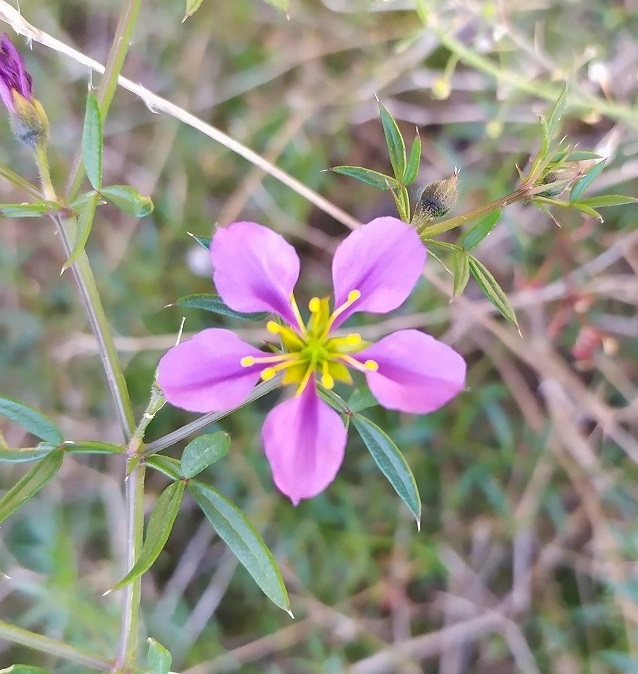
x=328, y=381
x=247, y=361
x=353, y=339
x=273, y=327
x=353, y=296
x=371, y=365
x=314, y=305
x=268, y=373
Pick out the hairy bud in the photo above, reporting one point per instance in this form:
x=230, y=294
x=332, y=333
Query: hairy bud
x=436, y=200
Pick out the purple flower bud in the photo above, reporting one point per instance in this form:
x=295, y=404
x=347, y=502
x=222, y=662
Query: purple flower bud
x=13, y=74
x=28, y=118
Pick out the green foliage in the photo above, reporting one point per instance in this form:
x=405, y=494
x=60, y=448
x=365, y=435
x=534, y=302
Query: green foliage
x=158, y=530
x=214, y=304
x=241, y=537
x=92, y=141
x=391, y=463
x=203, y=451
x=31, y=420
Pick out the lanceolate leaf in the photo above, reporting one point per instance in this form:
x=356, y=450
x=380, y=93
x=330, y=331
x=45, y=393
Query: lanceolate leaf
x=92, y=141
x=556, y=114
x=158, y=658
x=128, y=199
x=606, y=200
x=30, y=483
x=158, y=530
x=461, y=271
x=394, y=141
x=391, y=462
x=214, y=304
x=580, y=187
x=204, y=451
x=475, y=235
x=241, y=537
x=84, y=226
x=32, y=210
x=191, y=7
x=375, y=179
x=203, y=241
x=166, y=465
x=24, y=669
x=361, y=399
x=414, y=160
x=31, y=420
x=492, y=289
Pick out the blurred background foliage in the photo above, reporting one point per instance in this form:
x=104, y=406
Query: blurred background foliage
x=526, y=557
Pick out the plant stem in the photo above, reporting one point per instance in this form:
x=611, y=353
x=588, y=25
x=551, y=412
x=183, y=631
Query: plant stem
x=17, y=635
x=130, y=621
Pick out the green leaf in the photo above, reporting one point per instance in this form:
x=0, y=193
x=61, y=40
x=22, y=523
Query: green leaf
x=240, y=536
x=492, y=289
x=574, y=155
x=23, y=454
x=165, y=464
x=204, y=451
x=128, y=199
x=361, y=399
x=402, y=201
x=191, y=7
x=92, y=141
x=461, y=272
x=32, y=421
x=474, y=236
x=557, y=112
x=281, y=5
x=158, y=530
x=394, y=141
x=414, y=161
x=584, y=182
x=391, y=462
x=32, y=210
x=203, y=241
x=92, y=447
x=607, y=200
x=158, y=658
x=30, y=483
x=214, y=304
x=24, y=669
x=85, y=224
x=579, y=205
x=380, y=181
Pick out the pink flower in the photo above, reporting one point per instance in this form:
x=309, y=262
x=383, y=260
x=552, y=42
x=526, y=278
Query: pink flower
x=28, y=118
x=374, y=270
x=13, y=74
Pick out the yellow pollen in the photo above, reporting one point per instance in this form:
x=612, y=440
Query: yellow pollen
x=353, y=339
x=273, y=327
x=268, y=373
x=353, y=296
x=314, y=305
x=326, y=378
x=247, y=361
x=371, y=365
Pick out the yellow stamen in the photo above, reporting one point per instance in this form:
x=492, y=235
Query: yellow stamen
x=273, y=327
x=369, y=365
x=353, y=296
x=297, y=313
x=306, y=378
x=326, y=378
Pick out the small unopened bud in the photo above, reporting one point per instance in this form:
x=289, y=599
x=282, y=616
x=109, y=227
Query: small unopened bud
x=28, y=119
x=436, y=200
x=562, y=177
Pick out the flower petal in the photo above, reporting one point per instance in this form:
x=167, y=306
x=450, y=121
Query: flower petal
x=416, y=374
x=305, y=442
x=383, y=260
x=255, y=269
x=204, y=374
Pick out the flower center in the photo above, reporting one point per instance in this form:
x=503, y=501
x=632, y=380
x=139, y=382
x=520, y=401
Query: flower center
x=311, y=348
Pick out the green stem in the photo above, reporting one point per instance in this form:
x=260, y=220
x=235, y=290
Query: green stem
x=108, y=85
x=37, y=642
x=101, y=329
x=130, y=621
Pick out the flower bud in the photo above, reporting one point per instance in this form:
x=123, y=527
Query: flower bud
x=28, y=119
x=563, y=177
x=436, y=200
